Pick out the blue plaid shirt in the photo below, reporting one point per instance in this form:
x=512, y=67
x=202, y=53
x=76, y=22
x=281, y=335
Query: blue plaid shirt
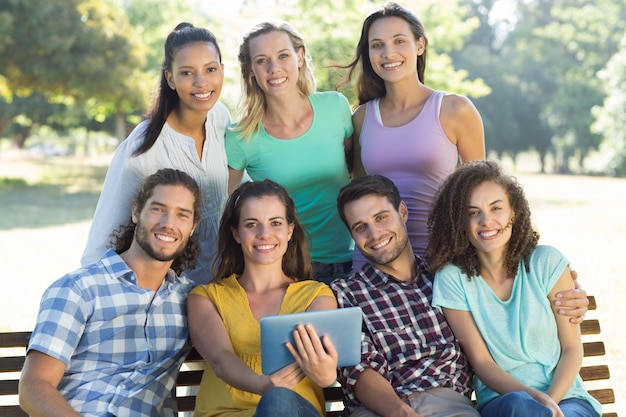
x=404, y=339
x=122, y=344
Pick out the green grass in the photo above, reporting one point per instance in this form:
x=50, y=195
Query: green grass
x=37, y=194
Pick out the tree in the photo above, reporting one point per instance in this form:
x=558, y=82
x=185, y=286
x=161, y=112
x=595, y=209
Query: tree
x=74, y=51
x=332, y=29
x=541, y=63
x=610, y=118
x=583, y=35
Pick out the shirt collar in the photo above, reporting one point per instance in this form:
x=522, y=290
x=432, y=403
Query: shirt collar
x=378, y=278
x=115, y=265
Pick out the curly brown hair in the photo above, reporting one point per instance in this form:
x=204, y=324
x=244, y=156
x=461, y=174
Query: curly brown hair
x=296, y=263
x=448, y=241
x=123, y=236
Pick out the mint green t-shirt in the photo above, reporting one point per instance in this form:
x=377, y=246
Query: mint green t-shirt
x=520, y=333
x=312, y=167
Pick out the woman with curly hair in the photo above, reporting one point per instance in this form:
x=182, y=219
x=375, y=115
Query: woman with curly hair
x=496, y=285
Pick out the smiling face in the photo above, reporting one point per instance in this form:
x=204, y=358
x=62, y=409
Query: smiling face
x=165, y=223
x=275, y=62
x=490, y=219
x=393, y=49
x=197, y=76
x=263, y=231
x=378, y=229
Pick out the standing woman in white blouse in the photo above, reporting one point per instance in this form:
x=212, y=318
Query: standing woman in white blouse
x=184, y=130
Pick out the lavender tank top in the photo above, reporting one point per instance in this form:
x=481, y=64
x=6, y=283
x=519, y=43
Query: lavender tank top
x=417, y=157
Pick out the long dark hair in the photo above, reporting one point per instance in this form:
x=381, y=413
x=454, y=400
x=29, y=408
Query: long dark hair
x=124, y=235
x=448, y=241
x=296, y=261
x=166, y=98
x=369, y=85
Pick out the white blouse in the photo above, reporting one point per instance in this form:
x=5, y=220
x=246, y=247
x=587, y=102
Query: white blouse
x=171, y=150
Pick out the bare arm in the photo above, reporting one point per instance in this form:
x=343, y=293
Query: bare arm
x=464, y=127
x=377, y=394
x=357, y=121
x=571, y=345
x=323, y=302
x=38, y=393
x=211, y=340
x=572, y=303
x=234, y=179
x=473, y=345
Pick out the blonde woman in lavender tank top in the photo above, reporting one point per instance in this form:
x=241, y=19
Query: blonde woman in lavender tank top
x=404, y=130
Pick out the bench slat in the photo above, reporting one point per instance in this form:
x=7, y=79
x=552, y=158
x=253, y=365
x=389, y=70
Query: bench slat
x=11, y=363
x=593, y=349
x=189, y=378
x=12, y=411
x=333, y=394
x=14, y=339
x=590, y=326
x=8, y=387
x=595, y=373
x=604, y=396
x=187, y=403
x=194, y=356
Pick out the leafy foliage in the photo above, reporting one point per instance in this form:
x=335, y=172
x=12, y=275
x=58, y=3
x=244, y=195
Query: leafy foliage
x=541, y=74
x=541, y=64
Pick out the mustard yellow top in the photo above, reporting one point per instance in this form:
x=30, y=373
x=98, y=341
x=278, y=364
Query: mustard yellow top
x=215, y=397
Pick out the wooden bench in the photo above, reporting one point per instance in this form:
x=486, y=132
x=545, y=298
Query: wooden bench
x=13, y=348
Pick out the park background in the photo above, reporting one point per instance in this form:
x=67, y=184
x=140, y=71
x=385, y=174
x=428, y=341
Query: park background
x=548, y=77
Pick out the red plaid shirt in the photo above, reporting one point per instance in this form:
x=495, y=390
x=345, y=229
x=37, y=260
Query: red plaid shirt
x=404, y=338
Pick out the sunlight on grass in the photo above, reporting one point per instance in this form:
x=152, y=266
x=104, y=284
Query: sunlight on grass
x=41, y=193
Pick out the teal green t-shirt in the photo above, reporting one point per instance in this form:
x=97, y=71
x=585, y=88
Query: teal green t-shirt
x=312, y=167
x=520, y=333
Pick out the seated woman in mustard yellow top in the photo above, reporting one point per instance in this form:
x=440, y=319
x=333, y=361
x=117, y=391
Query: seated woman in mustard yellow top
x=262, y=259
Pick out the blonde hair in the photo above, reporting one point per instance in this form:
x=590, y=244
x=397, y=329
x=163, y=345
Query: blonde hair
x=252, y=103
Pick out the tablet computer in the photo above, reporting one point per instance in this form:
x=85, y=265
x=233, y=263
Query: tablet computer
x=342, y=326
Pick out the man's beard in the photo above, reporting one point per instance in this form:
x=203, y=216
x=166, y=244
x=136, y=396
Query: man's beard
x=142, y=236
x=391, y=256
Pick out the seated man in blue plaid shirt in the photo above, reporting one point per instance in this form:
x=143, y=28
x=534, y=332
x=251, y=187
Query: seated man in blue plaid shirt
x=411, y=363
x=111, y=336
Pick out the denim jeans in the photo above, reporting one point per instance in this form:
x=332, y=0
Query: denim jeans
x=521, y=404
x=283, y=402
x=329, y=272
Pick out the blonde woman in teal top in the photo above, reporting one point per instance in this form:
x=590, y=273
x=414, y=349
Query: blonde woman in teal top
x=294, y=136
x=495, y=286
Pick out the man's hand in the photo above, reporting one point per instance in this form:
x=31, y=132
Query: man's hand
x=573, y=303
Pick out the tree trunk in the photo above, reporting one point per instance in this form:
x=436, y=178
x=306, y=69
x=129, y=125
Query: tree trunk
x=542, y=161
x=120, y=126
x=19, y=139
x=5, y=122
